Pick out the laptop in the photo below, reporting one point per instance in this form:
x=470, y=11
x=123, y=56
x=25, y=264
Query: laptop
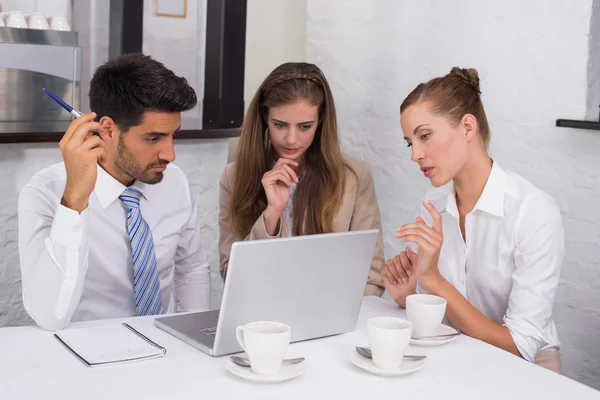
x=313, y=283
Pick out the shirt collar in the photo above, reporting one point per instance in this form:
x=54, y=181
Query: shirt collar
x=445, y=200
x=491, y=200
x=108, y=189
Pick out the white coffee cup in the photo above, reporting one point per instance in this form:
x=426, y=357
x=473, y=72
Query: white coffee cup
x=266, y=343
x=16, y=19
x=426, y=313
x=388, y=338
x=37, y=21
x=59, y=23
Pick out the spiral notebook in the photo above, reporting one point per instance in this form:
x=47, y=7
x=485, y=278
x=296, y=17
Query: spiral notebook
x=110, y=344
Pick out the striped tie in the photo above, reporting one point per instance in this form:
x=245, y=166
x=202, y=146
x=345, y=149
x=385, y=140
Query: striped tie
x=145, y=276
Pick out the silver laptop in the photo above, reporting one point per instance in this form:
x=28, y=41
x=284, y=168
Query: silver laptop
x=313, y=283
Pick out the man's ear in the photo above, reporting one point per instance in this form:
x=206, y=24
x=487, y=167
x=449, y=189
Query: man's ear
x=110, y=130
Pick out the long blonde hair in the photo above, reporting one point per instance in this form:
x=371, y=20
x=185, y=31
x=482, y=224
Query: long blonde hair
x=320, y=192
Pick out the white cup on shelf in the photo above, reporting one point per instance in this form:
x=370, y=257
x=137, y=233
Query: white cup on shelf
x=16, y=19
x=59, y=23
x=37, y=21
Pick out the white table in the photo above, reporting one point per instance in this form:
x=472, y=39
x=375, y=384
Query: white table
x=35, y=365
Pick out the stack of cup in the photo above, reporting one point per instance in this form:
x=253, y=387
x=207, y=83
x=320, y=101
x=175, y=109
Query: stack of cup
x=37, y=21
x=59, y=23
x=18, y=19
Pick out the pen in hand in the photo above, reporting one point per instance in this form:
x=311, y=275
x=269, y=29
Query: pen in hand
x=67, y=107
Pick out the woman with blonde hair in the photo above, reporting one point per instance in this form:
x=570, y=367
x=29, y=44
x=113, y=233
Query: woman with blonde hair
x=489, y=241
x=290, y=177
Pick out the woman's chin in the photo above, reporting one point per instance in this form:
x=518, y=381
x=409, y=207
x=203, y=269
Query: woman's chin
x=296, y=156
x=437, y=181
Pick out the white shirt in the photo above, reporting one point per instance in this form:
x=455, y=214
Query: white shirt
x=288, y=212
x=509, y=266
x=78, y=266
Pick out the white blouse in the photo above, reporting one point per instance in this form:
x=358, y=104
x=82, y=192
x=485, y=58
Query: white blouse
x=509, y=266
x=288, y=212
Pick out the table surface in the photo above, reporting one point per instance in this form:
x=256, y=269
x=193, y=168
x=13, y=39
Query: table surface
x=35, y=365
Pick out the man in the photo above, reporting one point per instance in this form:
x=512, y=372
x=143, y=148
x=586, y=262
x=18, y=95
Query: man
x=114, y=231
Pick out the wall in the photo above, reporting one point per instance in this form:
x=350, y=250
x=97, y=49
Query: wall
x=275, y=33
x=593, y=70
x=532, y=58
x=180, y=44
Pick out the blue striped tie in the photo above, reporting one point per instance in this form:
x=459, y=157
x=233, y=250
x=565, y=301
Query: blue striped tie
x=145, y=276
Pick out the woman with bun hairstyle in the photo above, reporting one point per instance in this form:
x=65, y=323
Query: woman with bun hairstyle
x=290, y=177
x=489, y=242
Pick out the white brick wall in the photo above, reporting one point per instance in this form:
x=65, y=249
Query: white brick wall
x=532, y=57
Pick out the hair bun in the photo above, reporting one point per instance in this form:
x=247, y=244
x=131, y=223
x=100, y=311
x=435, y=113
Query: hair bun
x=468, y=76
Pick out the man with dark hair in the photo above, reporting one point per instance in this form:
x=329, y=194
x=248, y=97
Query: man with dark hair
x=113, y=231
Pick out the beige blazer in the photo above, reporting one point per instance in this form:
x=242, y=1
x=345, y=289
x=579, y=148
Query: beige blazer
x=359, y=211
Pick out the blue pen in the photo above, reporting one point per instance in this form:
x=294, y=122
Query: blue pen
x=64, y=105
x=67, y=107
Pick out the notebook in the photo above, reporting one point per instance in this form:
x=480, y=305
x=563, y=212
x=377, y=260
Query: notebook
x=110, y=344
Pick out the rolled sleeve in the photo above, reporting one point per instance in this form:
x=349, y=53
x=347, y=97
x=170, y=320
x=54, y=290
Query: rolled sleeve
x=69, y=227
x=539, y=252
x=53, y=252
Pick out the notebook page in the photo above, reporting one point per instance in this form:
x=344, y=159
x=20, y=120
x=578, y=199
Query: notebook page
x=108, y=344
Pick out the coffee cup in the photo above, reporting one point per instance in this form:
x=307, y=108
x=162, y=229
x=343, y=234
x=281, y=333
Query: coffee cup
x=426, y=313
x=388, y=338
x=266, y=343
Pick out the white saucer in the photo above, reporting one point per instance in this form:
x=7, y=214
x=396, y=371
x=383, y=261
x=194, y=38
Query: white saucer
x=442, y=330
x=288, y=371
x=407, y=367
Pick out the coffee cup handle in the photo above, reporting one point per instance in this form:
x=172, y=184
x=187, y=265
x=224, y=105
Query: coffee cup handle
x=239, y=333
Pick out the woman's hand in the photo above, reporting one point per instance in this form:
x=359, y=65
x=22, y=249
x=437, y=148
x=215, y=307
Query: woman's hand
x=277, y=183
x=398, y=276
x=429, y=239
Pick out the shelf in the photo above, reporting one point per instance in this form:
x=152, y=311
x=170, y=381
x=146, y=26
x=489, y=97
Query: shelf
x=578, y=124
x=31, y=137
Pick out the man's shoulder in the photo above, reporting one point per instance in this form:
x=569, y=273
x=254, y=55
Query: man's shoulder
x=48, y=178
x=174, y=185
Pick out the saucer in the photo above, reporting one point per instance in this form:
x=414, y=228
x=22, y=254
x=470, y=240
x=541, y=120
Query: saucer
x=288, y=371
x=442, y=330
x=407, y=366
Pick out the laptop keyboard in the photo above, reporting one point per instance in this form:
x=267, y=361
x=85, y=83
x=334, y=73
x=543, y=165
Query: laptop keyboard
x=210, y=331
